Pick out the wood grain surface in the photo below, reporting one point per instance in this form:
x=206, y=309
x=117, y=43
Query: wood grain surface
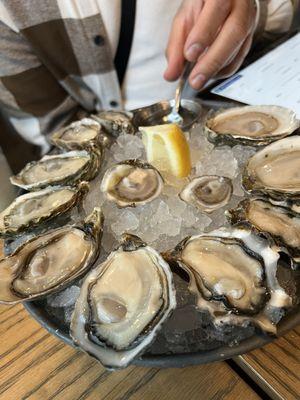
x=276, y=367
x=35, y=365
x=1, y=248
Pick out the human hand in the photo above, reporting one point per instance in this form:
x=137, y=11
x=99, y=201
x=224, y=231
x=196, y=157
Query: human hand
x=216, y=34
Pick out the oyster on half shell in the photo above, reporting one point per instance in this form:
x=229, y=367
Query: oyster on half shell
x=122, y=303
x=61, y=169
x=281, y=223
x=49, y=262
x=208, y=193
x=251, y=125
x=36, y=207
x=132, y=182
x=274, y=170
x=83, y=134
x=115, y=122
x=233, y=275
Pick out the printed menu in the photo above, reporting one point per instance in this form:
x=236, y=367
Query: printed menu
x=273, y=79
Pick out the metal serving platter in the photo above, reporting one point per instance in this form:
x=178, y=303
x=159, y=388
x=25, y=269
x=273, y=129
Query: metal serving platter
x=58, y=328
x=190, y=333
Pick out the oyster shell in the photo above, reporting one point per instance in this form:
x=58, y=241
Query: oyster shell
x=132, y=182
x=251, y=125
x=208, y=193
x=42, y=265
x=83, y=134
x=115, y=122
x=123, y=303
x=274, y=170
x=33, y=208
x=233, y=275
x=62, y=169
x=281, y=223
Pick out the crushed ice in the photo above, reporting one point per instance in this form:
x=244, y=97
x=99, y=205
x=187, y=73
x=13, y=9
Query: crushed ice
x=165, y=221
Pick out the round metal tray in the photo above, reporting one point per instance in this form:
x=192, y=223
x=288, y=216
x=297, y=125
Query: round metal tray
x=175, y=360
x=165, y=359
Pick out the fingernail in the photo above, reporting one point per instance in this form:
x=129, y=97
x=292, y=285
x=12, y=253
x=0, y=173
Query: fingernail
x=193, y=52
x=198, y=81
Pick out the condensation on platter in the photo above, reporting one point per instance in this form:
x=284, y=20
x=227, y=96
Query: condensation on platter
x=166, y=220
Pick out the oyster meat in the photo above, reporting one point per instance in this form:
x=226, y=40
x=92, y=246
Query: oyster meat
x=62, y=169
x=208, y=193
x=33, y=208
x=132, y=182
x=115, y=122
x=274, y=170
x=83, y=134
x=252, y=125
x=123, y=303
x=42, y=264
x=233, y=275
x=281, y=223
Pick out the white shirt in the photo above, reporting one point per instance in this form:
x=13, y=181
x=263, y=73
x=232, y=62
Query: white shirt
x=143, y=82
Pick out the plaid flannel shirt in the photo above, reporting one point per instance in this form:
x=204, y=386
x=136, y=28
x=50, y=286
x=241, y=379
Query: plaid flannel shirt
x=54, y=60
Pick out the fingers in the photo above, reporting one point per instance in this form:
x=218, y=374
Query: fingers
x=231, y=37
x=237, y=61
x=206, y=27
x=182, y=25
x=175, y=49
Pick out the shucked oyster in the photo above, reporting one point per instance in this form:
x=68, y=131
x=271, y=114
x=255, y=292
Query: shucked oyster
x=252, y=125
x=48, y=262
x=83, y=134
x=281, y=223
x=208, y=192
x=123, y=303
x=132, y=182
x=33, y=208
x=233, y=275
x=62, y=169
x=274, y=170
x=115, y=122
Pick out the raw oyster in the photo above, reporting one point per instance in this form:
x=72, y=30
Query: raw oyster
x=33, y=208
x=208, y=192
x=83, y=134
x=233, y=275
x=274, y=170
x=252, y=125
x=123, y=303
x=132, y=182
x=115, y=122
x=49, y=262
x=281, y=223
x=62, y=169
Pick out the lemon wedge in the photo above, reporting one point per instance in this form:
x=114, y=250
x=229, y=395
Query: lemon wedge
x=167, y=149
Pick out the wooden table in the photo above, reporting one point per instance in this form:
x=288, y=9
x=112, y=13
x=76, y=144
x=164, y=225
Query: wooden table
x=35, y=365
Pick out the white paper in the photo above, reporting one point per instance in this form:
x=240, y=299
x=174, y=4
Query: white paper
x=273, y=79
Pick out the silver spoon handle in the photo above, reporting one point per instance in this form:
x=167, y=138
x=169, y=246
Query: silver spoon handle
x=188, y=66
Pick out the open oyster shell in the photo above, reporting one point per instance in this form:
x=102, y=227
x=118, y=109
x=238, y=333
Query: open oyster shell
x=132, y=182
x=49, y=262
x=251, y=125
x=115, y=122
x=233, y=275
x=208, y=193
x=122, y=303
x=83, y=134
x=274, y=170
x=34, y=208
x=61, y=169
x=281, y=223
